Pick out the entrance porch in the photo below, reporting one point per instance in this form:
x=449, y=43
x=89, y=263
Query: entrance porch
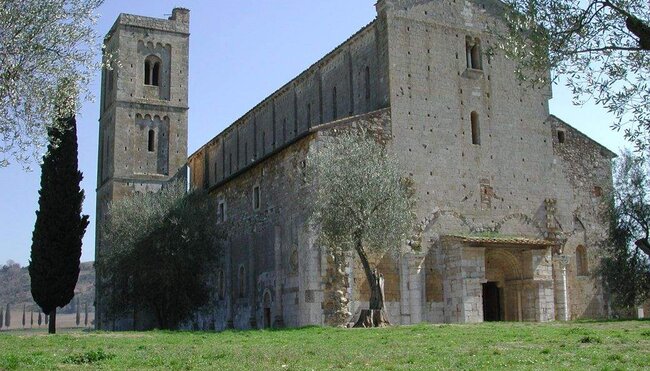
x=497, y=279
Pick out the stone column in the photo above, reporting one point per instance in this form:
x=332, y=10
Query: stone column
x=405, y=295
x=278, y=318
x=561, y=289
x=464, y=273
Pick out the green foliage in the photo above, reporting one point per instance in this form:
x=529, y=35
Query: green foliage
x=601, y=48
x=89, y=357
x=59, y=227
x=505, y=345
x=42, y=42
x=624, y=265
x=361, y=194
x=158, y=249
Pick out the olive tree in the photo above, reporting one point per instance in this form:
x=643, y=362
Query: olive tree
x=625, y=265
x=158, y=249
x=600, y=47
x=363, y=204
x=42, y=42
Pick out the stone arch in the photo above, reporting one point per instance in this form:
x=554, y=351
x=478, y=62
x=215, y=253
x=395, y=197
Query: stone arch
x=519, y=224
x=502, y=289
x=582, y=263
x=267, y=301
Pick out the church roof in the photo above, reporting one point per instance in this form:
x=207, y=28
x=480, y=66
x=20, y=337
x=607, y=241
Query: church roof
x=501, y=240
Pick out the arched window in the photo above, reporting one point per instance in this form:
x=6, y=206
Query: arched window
x=152, y=66
x=476, y=129
x=473, y=51
x=242, y=281
x=582, y=268
x=147, y=72
x=151, y=140
x=155, y=74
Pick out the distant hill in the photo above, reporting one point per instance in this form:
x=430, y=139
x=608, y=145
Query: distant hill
x=15, y=288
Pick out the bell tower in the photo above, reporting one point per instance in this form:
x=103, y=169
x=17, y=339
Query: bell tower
x=143, y=111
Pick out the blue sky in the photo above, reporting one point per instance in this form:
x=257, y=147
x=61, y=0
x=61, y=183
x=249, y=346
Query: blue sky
x=240, y=52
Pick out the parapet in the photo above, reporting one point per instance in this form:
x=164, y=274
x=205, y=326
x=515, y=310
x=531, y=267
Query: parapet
x=178, y=22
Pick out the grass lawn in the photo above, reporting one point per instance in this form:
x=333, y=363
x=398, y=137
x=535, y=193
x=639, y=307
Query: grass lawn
x=575, y=345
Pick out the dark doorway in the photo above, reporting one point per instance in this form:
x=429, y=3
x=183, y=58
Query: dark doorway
x=267, y=317
x=491, y=302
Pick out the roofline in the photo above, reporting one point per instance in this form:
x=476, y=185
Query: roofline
x=611, y=153
x=302, y=74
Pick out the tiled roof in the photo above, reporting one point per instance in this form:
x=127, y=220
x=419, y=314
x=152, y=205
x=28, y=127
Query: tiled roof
x=494, y=240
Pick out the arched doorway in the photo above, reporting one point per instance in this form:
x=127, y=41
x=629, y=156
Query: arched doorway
x=501, y=292
x=266, y=308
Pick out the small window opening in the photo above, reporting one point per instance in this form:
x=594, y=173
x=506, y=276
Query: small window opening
x=334, y=108
x=221, y=212
x=561, y=136
x=152, y=140
x=582, y=268
x=476, y=129
x=308, y=114
x=256, y=197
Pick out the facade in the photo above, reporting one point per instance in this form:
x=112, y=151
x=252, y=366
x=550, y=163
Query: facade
x=510, y=198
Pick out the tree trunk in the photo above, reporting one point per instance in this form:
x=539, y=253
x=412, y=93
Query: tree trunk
x=643, y=245
x=375, y=316
x=52, y=325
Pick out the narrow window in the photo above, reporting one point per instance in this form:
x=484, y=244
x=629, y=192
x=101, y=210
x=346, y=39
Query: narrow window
x=308, y=115
x=468, y=51
x=256, y=197
x=561, y=137
x=334, y=113
x=147, y=72
x=152, y=140
x=476, y=129
x=367, y=84
x=242, y=281
x=221, y=212
x=582, y=268
x=155, y=74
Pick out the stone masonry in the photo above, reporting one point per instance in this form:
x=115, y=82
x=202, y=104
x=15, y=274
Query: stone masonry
x=510, y=199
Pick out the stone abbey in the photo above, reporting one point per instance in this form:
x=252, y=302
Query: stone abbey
x=509, y=197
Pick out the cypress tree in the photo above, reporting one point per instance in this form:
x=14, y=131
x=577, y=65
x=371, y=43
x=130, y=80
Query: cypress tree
x=1, y=318
x=40, y=319
x=59, y=228
x=78, y=318
x=85, y=314
x=23, y=315
x=31, y=320
x=8, y=316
